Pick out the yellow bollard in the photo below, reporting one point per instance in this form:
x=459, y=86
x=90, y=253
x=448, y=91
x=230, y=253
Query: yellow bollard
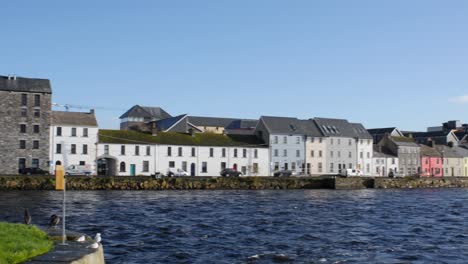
x=59, y=177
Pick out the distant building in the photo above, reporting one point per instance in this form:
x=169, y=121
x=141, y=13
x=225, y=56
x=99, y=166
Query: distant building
x=25, y=106
x=73, y=139
x=137, y=117
x=408, y=153
x=437, y=137
x=431, y=162
x=379, y=133
x=384, y=162
x=453, y=160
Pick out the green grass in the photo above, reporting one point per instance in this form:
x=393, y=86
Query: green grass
x=19, y=242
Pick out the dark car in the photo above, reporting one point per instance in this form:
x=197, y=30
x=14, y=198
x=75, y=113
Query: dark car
x=230, y=172
x=285, y=173
x=33, y=171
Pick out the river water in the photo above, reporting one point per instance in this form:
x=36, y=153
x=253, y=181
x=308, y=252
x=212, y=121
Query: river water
x=294, y=226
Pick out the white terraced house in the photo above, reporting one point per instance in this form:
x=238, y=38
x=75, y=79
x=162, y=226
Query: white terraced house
x=131, y=153
x=73, y=139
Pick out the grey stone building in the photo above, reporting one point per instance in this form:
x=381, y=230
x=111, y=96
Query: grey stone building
x=25, y=108
x=408, y=152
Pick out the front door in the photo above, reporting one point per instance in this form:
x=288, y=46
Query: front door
x=234, y=167
x=192, y=169
x=453, y=171
x=132, y=170
x=286, y=166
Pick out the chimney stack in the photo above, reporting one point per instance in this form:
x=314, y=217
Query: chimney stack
x=154, y=129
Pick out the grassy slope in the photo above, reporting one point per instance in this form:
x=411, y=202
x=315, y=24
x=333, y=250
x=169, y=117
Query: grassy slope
x=19, y=242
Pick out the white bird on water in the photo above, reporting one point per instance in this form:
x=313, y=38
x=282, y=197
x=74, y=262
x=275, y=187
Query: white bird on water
x=97, y=238
x=93, y=245
x=81, y=239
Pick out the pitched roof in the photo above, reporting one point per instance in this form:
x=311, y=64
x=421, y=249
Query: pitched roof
x=210, y=121
x=171, y=138
x=335, y=127
x=360, y=131
x=22, y=84
x=290, y=125
x=167, y=123
x=381, y=131
x=382, y=152
x=146, y=112
x=73, y=118
x=452, y=152
x=429, y=151
x=242, y=124
x=404, y=141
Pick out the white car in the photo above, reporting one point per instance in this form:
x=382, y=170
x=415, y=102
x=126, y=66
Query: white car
x=172, y=172
x=78, y=170
x=351, y=172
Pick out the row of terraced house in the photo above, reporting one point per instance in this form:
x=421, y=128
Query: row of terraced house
x=150, y=140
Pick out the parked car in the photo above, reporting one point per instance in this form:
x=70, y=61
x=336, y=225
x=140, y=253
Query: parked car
x=78, y=170
x=230, y=172
x=173, y=172
x=351, y=172
x=284, y=173
x=33, y=171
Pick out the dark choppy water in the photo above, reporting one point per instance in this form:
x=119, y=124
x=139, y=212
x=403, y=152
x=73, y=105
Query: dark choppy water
x=303, y=226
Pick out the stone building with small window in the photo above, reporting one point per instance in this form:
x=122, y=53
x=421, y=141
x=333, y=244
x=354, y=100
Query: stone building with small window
x=73, y=139
x=25, y=107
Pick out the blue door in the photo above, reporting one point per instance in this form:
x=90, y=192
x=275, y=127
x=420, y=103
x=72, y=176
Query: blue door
x=132, y=169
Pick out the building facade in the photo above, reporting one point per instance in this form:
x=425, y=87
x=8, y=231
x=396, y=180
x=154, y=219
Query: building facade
x=408, y=152
x=431, y=162
x=73, y=139
x=384, y=162
x=25, y=106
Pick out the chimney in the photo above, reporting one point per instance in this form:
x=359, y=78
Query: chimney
x=14, y=77
x=91, y=111
x=430, y=143
x=192, y=132
x=154, y=129
x=450, y=144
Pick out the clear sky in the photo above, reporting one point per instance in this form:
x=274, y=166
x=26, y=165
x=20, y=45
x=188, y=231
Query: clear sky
x=382, y=63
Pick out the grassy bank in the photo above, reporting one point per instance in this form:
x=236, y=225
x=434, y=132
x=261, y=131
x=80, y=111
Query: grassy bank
x=19, y=242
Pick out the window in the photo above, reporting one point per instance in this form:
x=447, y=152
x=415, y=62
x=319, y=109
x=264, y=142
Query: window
x=361, y=154
x=36, y=129
x=311, y=140
x=193, y=152
x=298, y=153
x=331, y=141
x=137, y=150
x=276, y=153
x=59, y=131
x=85, y=132
x=148, y=150
x=223, y=165
x=24, y=99
x=331, y=154
x=368, y=142
x=393, y=161
x=293, y=166
x=73, y=149
x=85, y=149
x=276, y=168
x=35, y=144
x=223, y=152
x=37, y=100
x=37, y=113
x=298, y=140
x=244, y=170
x=312, y=153
x=285, y=152
x=368, y=168
x=350, y=142
x=320, y=140
x=204, y=167
x=368, y=155
x=122, y=167
x=22, y=144
x=235, y=153
x=255, y=153
x=35, y=163
x=22, y=128
x=21, y=163
x=24, y=111
x=244, y=153
x=58, y=148
x=211, y=152
x=73, y=132
x=106, y=149
x=331, y=167
x=184, y=165
x=169, y=151
x=145, y=166
x=82, y=163
x=339, y=141
x=350, y=154
x=171, y=164
x=255, y=168
x=179, y=152
x=339, y=154
x=320, y=153
x=350, y=165
x=320, y=167
x=122, y=150
x=275, y=141
x=285, y=140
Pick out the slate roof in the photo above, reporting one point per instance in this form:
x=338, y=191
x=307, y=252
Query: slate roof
x=210, y=121
x=335, y=127
x=404, y=141
x=146, y=112
x=452, y=152
x=290, y=125
x=167, y=123
x=382, y=152
x=360, y=131
x=22, y=84
x=429, y=152
x=381, y=131
x=73, y=118
x=242, y=124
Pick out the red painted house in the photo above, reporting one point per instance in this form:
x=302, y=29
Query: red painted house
x=431, y=162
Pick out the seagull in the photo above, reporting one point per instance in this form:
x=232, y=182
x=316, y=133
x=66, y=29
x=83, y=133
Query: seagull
x=54, y=221
x=27, y=217
x=81, y=239
x=97, y=238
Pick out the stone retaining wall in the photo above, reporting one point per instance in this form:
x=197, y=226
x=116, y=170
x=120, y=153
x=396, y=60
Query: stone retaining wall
x=448, y=182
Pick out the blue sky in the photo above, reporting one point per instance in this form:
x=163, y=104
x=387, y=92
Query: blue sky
x=382, y=63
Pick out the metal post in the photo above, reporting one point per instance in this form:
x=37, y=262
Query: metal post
x=64, y=237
